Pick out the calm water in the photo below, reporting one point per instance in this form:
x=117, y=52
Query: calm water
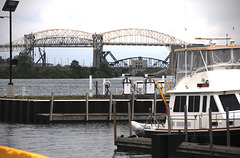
x=92, y=139
x=44, y=87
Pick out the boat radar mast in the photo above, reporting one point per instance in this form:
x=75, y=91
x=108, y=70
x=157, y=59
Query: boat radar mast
x=212, y=41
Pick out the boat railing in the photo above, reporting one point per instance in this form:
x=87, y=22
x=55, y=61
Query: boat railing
x=201, y=120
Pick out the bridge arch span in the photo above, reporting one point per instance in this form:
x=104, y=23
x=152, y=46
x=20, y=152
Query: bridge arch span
x=140, y=36
x=50, y=34
x=62, y=33
x=151, y=62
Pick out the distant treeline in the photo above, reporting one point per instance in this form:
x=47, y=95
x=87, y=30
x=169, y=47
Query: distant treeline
x=26, y=69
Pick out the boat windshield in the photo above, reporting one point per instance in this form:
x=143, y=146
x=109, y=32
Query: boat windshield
x=230, y=101
x=199, y=60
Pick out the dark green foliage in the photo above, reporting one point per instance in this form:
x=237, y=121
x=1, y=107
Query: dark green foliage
x=26, y=69
x=104, y=71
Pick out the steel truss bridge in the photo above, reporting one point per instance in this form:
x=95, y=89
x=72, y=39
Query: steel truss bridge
x=76, y=38
x=151, y=62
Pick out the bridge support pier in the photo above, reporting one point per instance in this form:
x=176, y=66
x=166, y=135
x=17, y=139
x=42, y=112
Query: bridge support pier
x=97, y=49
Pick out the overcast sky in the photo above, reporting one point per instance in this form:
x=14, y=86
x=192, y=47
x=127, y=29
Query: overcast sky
x=205, y=18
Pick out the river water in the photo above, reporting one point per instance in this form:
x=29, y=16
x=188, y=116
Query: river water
x=44, y=87
x=84, y=139
x=78, y=140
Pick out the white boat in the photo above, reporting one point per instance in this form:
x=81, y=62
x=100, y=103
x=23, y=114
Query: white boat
x=206, y=77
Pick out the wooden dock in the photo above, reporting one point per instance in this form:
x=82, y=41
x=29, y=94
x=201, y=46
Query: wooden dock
x=200, y=150
x=45, y=111
x=169, y=148
x=140, y=143
x=44, y=117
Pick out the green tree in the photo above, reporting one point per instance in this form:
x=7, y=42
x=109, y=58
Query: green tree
x=74, y=64
x=104, y=71
x=25, y=62
x=25, y=66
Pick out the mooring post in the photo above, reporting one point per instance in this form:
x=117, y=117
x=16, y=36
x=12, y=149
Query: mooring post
x=227, y=123
x=96, y=88
x=51, y=107
x=155, y=103
x=185, y=123
x=110, y=108
x=130, y=118
x=133, y=99
x=90, y=86
x=169, y=119
x=86, y=107
x=210, y=130
x=114, y=122
x=103, y=85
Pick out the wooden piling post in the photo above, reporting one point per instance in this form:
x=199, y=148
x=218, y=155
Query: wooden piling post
x=133, y=99
x=110, y=108
x=185, y=123
x=86, y=107
x=227, y=123
x=97, y=89
x=130, y=118
x=114, y=122
x=155, y=103
x=51, y=107
x=210, y=130
x=169, y=119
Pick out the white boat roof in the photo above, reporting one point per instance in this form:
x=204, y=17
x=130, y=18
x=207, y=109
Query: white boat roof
x=206, y=48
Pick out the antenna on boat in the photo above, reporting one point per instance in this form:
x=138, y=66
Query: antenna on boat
x=185, y=38
x=212, y=41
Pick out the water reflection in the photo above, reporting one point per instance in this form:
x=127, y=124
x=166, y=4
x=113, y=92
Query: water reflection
x=91, y=139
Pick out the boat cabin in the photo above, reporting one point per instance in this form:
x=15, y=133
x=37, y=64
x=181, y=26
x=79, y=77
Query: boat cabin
x=206, y=77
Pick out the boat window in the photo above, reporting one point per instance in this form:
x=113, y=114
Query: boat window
x=230, y=101
x=180, y=101
x=221, y=56
x=213, y=105
x=197, y=60
x=181, y=61
x=193, y=103
x=236, y=55
x=204, y=108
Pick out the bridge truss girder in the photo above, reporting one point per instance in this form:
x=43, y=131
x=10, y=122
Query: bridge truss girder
x=151, y=62
x=75, y=38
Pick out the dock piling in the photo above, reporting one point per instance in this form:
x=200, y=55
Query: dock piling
x=155, y=103
x=97, y=88
x=86, y=107
x=210, y=131
x=114, y=122
x=133, y=99
x=51, y=107
x=90, y=86
x=103, y=85
x=169, y=119
x=110, y=108
x=130, y=118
